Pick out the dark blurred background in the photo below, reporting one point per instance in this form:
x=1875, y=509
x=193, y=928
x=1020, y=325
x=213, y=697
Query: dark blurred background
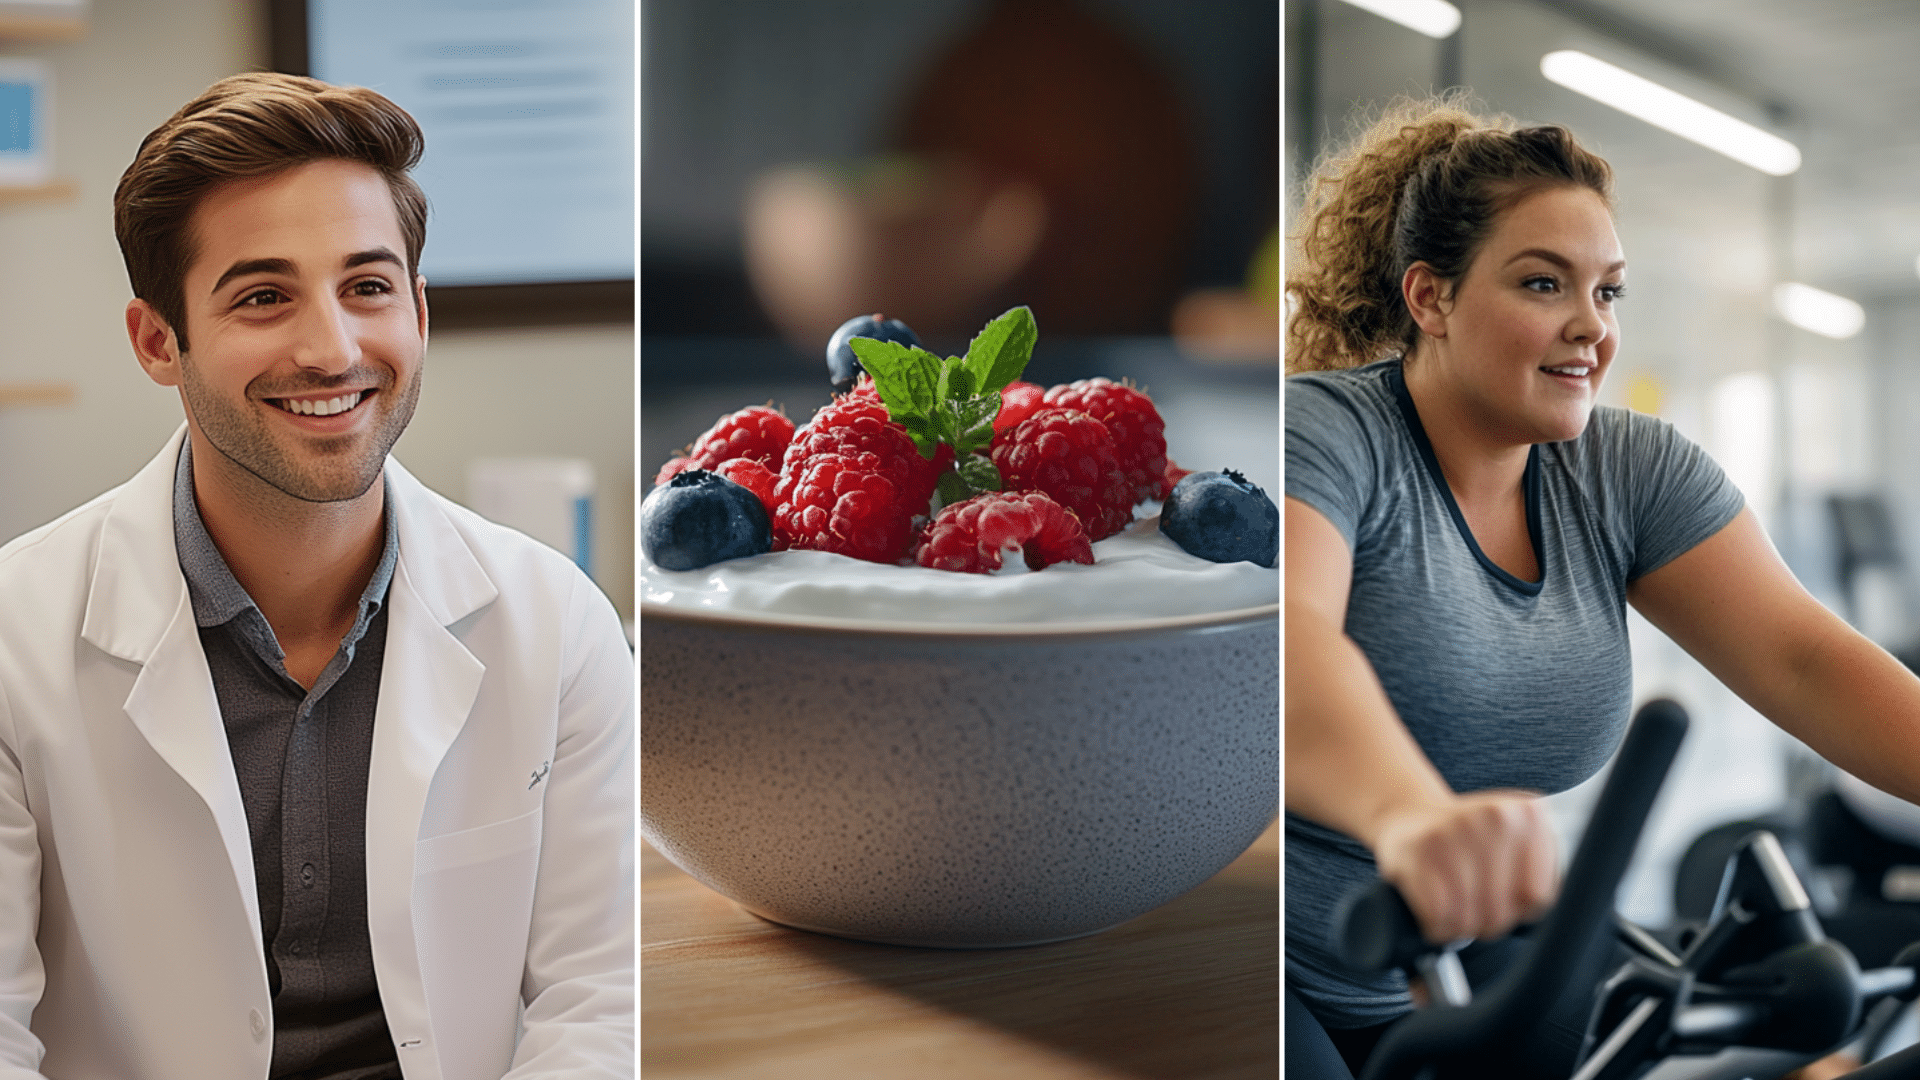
x=1114, y=164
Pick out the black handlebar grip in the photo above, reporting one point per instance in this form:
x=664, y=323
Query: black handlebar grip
x=1376, y=931
x=1571, y=946
x=1909, y=958
x=1575, y=928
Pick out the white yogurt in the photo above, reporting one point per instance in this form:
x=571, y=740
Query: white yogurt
x=1138, y=573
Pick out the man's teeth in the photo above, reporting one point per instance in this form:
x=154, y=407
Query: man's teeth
x=324, y=407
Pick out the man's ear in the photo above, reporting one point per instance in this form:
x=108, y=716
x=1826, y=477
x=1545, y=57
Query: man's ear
x=154, y=343
x=420, y=303
x=1426, y=294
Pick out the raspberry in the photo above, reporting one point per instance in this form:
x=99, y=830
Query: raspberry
x=851, y=482
x=753, y=476
x=969, y=536
x=863, y=388
x=1175, y=474
x=1018, y=401
x=1070, y=456
x=1139, y=435
x=671, y=469
x=758, y=432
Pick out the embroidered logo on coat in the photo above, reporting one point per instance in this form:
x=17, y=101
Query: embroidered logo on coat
x=540, y=773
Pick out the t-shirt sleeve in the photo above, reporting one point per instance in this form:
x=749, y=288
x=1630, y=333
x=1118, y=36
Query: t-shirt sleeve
x=1679, y=495
x=1330, y=460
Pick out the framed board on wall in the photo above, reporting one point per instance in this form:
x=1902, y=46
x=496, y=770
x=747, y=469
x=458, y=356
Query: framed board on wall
x=43, y=20
x=527, y=106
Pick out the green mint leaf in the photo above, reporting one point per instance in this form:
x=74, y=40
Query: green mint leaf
x=973, y=423
x=941, y=423
x=905, y=376
x=978, y=472
x=922, y=435
x=999, y=353
x=953, y=488
x=942, y=384
x=908, y=380
x=952, y=401
x=960, y=381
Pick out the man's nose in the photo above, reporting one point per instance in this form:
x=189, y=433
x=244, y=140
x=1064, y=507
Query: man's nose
x=326, y=337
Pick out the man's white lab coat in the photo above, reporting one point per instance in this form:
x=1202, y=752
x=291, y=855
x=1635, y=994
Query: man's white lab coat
x=499, y=809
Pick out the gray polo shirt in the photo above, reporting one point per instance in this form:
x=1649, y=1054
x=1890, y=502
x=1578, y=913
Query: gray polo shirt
x=301, y=757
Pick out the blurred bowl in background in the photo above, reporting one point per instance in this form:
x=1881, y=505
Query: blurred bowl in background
x=916, y=240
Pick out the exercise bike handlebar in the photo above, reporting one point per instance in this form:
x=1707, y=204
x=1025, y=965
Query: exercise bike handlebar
x=1376, y=930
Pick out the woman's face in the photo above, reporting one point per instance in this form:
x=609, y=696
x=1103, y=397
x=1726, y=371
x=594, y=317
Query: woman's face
x=1529, y=330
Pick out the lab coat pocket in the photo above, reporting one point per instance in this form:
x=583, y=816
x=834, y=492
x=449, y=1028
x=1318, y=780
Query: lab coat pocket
x=473, y=894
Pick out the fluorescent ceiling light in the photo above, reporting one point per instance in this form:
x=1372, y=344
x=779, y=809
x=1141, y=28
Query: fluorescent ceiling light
x=1916, y=264
x=1676, y=112
x=1818, y=310
x=1434, y=18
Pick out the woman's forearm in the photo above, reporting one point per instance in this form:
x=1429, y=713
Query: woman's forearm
x=1852, y=702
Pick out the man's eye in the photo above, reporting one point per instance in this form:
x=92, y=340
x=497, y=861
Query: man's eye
x=371, y=287
x=263, y=298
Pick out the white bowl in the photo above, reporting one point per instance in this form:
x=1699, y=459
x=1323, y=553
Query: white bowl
x=956, y=786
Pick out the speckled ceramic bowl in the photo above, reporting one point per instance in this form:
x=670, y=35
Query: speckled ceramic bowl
x=954, y=786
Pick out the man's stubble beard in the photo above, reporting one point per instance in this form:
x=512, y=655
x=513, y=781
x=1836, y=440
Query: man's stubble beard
x=339, y=475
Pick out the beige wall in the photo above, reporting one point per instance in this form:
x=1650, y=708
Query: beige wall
x=62, y=290
x=545, y=392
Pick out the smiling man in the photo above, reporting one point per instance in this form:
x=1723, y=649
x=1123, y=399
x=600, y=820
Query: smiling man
x=304, y=770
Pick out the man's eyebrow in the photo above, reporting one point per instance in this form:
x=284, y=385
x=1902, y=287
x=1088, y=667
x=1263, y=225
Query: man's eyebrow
x=253, y=266
x=372, y=255
x=1560, y=260
x=286, y=267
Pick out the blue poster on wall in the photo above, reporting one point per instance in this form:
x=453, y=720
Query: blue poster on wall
x=26, y=155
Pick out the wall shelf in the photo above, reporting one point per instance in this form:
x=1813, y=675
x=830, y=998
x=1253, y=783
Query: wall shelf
x=46, y=393
x=18, y=25
x=51, y=191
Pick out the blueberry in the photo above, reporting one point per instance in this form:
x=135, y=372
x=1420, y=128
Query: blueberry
x=699, y=518
x=1221, y=517
x=842, y=366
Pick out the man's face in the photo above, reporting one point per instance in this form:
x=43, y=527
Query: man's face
x=306, y=335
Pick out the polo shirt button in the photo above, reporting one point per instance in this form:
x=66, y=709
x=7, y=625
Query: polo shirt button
x=306, y=876
x=258, y=1023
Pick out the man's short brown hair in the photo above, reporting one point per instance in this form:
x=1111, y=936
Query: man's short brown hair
x=244, y=126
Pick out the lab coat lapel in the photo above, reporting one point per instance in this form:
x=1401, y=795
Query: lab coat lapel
x=174, y=706
x=138, y=610
x=428, y=685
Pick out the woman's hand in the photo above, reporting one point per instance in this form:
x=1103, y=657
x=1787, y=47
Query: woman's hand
x=1471, y=866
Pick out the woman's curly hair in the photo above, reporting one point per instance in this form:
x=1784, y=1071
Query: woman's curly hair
x=1426, y=182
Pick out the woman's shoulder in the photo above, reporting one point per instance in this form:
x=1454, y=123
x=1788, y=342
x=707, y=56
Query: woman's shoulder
x=1345, y=441
x=1360, y=379
x=1360, y=393
x=1616, y=435
x=1627, y=458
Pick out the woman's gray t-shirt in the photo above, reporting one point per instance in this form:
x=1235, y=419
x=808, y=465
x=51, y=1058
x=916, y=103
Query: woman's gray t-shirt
x=1503, y=682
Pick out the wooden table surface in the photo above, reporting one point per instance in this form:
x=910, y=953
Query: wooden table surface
x=1189, y=991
